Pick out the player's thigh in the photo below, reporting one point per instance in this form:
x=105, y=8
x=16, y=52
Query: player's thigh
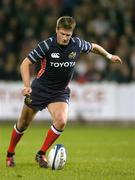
x=58, y=110
x=27, y=115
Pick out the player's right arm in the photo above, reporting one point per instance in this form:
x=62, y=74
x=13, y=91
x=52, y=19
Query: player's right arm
x=36, y=55
x=25, y=73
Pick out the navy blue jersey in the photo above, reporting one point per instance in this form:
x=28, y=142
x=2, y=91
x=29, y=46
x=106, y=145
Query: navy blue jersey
x=57, y=62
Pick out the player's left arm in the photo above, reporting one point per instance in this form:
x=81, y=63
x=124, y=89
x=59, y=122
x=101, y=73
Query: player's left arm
x=101, y=51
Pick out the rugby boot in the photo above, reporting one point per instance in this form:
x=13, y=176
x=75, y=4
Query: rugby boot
x=42, y=160
x=10, y=160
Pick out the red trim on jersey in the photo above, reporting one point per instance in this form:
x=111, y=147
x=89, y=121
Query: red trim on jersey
x=43, y=67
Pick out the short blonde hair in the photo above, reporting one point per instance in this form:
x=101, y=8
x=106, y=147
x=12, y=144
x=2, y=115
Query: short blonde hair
x=66, y=22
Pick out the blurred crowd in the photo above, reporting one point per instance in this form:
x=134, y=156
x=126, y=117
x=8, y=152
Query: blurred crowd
x=111, y=24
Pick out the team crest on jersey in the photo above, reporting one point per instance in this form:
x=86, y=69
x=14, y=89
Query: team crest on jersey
x=72, y=55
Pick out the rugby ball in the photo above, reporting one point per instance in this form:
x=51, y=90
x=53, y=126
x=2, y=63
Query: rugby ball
x=57, y=157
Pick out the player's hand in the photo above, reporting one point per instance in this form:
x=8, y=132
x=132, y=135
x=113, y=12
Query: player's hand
x=116, y=59
x=26, y=91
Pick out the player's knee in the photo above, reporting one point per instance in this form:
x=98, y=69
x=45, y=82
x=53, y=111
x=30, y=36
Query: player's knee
x=22, y=126
x=61, y=121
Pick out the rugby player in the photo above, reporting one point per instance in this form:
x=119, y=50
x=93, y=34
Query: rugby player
x=57, y=55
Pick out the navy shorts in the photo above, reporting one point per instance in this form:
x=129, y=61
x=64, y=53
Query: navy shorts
x=41, y=96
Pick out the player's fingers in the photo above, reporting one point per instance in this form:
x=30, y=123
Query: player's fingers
x=30, y=90
x=119, y=60
x=26, y=91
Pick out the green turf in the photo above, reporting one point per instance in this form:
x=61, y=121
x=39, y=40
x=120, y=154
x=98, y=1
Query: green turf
x=94, y=153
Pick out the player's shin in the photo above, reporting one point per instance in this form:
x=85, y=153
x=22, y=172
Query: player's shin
x=51, y=137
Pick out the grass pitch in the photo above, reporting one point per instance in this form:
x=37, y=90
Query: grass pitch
x=94, y=153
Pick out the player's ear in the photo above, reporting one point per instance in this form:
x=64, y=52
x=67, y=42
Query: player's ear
x=56, y=29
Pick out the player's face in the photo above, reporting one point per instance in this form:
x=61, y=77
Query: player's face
x=63, y=36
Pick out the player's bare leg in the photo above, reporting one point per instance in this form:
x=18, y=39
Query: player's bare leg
x=27, y=115
x=58, y=111
x=24, y=120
